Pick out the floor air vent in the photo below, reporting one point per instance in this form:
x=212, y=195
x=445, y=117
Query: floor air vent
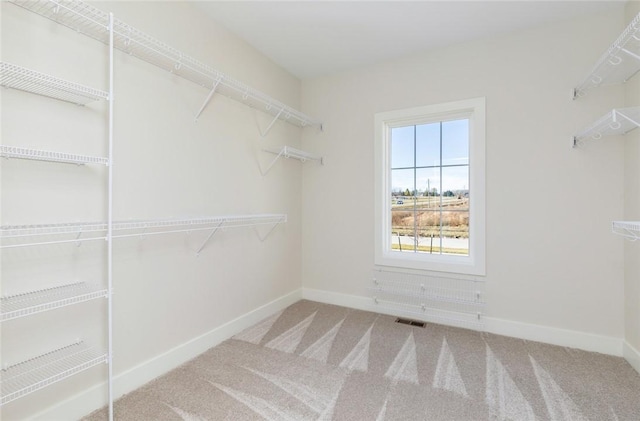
x=410, y=322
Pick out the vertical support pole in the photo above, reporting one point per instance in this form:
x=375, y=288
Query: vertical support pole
x=110, y=229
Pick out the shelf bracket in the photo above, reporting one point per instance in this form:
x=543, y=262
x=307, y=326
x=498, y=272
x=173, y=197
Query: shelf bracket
x=211, y=234
x=632, y=54
x=275, y=224
x=266, y=132
x=617, y=113
x=206, y=101
x=273, y=162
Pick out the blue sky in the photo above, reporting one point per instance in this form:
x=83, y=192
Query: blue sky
x=455, y=151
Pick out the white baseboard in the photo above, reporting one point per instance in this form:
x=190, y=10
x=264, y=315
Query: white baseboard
x=94, y=398
x=345, y=300
x=632, y=355
x=555, y=336
x=550, y=335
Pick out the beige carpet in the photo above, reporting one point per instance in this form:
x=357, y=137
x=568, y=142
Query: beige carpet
x=320, y=362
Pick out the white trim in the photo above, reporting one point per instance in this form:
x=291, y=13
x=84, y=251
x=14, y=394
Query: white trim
x=555, y=336
x=630, y=354
x=94, y=398
x=550, y=335
x=473, y=264
x=345, y=300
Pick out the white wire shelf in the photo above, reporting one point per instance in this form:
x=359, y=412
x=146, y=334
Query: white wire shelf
x=93, y=22
x=628, y=229
x=470, y=321
x=50, y=156
x=16, y=231
x=289, y=152
x=21, y=379
x=16, y=77
x=456, y=300
x=190, y=224
x=32, y=302
x=424, y=296
x=87, y=231
x=618, y=64
x=618, y=121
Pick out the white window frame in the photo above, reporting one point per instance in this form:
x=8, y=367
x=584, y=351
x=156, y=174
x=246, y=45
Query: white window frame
x=474, y=263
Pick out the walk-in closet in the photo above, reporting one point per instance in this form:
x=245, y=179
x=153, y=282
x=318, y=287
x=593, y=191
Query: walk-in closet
x=319, y=210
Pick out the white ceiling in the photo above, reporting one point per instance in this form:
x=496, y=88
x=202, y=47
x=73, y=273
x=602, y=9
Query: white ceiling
x=314, y=38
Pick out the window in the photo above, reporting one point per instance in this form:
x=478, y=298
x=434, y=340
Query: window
x=430, y=174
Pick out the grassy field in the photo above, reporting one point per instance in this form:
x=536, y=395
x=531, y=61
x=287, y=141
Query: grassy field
x=422, y=213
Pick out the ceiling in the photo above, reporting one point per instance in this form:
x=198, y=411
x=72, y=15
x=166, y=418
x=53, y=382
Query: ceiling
x=315, y=38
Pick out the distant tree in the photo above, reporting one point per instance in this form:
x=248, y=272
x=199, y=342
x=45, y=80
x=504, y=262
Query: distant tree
x=407, y=193
x=448, y=193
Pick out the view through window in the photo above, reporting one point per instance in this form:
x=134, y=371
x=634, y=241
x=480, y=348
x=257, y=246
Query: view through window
x=430, y=188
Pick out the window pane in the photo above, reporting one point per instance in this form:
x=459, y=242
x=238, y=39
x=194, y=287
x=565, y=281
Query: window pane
x=455, y=188
x=402, y=183
x=428, y=224
x=402, y=230
x=455, y=142
x=402, y=147
x=428, y=183
x=429, y=241
x=428, y=145
x=455, y=233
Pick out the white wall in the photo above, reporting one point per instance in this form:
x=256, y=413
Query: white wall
x=632, y=213
x=551, y=259
x=165, y=165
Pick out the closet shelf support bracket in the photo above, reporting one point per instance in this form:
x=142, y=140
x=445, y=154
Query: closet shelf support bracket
x=273, y=162
x=273, y=227
x=208, y=99
x=266, y=132
x=78, y=241
x=211, y=234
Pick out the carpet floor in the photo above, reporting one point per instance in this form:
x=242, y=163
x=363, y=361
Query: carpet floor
x=319, y=362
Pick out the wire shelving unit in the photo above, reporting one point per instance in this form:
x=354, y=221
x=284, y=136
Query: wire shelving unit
x=439, y=299
x=92, y=21
x=166, y=226
x=628, y=229
x=436, y=295
x=20, y=379
x=16, y=77
x=618, y=121
x=422, y=312
x=30, y=235
x=289, y=152
x=50, y=156
x=32, y=302
x=618, y=64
